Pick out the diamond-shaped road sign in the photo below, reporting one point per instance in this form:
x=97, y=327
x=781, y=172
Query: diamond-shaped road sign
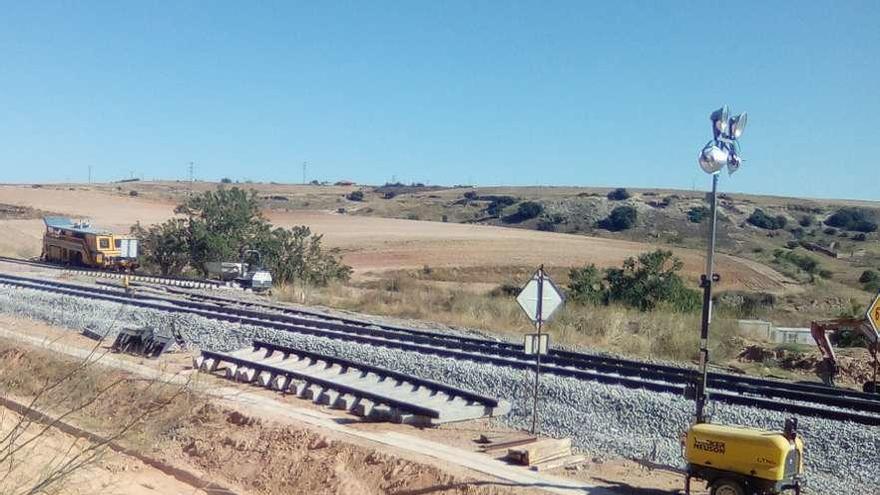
x=874, y=313
x=551, y=298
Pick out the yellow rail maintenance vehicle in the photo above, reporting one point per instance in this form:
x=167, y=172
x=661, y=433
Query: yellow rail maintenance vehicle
x=78, y=243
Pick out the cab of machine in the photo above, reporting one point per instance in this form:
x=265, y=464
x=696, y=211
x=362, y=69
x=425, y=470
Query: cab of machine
x=746, y=451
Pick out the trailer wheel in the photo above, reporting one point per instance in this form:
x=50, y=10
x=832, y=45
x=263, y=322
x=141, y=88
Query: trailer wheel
x=870, y=387
x=727, y=486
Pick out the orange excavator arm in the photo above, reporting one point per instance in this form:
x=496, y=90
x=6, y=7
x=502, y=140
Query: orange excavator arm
x=821, y=332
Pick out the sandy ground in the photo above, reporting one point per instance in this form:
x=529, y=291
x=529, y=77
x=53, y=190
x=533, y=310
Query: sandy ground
x=377, y=244
x=112, y=473
x=627, y=477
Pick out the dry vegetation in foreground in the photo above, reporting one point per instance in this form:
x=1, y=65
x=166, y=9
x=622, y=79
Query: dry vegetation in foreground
x=187, y=434
x=660, y=334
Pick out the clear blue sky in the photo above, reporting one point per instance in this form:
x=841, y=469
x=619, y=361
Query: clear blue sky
x=562, y=93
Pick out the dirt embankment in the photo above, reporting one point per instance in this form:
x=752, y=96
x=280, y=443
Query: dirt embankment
x=191, y=439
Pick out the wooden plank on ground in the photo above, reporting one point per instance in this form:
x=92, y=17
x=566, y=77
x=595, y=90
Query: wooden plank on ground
x=541, y=450
x=558, y=463
x=512, y=442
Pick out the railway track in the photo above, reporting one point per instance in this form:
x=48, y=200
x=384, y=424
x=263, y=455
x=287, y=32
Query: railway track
x=776, y=395
x=360, y=388
x=597, y=362
x=151, y=279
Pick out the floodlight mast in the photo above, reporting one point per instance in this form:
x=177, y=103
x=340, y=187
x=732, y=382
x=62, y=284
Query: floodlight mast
x=720, y=152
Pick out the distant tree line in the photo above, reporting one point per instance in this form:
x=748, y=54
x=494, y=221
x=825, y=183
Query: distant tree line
x=220, y=225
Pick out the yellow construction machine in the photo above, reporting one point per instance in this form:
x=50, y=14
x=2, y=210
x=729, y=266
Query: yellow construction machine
x=744, y=461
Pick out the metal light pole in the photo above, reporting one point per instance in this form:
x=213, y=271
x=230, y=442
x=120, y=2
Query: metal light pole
x=722, y=151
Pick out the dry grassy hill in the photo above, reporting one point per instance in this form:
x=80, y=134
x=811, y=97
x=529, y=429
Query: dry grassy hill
x=474, y=236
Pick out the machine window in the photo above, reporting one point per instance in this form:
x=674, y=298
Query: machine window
x=118, y=243
x=104, y=243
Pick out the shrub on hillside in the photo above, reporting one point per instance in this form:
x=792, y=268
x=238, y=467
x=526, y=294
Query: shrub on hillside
x=870, y=280
x=587, y=285
x=805, y=263
x=525, y=211
x=355, y=196
x=761, y=220
x=646, y=282
x=621, y=218
x=497, y=203
x=226, y=180
x=649, y=281
x=697, y=214
x=855, y=219
x=805, y=221
x=619, y=194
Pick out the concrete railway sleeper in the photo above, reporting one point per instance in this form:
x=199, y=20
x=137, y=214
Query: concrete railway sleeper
x=365, y=390
x=855, y=410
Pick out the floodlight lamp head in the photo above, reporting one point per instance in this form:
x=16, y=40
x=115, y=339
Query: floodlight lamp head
x=737, y=125
x=733, y=163
x=713, y=158
x=720, y=122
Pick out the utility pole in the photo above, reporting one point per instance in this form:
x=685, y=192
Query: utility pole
x=192, y=169
x=90, y=174
x=305, y=166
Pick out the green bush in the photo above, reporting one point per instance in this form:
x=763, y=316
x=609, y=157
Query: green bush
x=855, y=219
x=525, y=211
x=649, y=281
x=646, y=282
x=586, y=285
x=497, y=203
x=355, y=196
x=805, y=221
x=226, y=180
x=220, y=225
x=761, y=220
x=698, y=213
x=805, y=263
x=529, y=209
x=621, y=218
x=870, y=280
x=619, y=194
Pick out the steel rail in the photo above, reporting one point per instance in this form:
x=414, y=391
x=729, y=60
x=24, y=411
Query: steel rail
x=165, y=279
x=449, y=390
x=455, y=349
x=275, y=371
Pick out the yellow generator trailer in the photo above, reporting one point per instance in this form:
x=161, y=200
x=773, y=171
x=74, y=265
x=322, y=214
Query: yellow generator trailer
x=78, y=243
x=744, y=461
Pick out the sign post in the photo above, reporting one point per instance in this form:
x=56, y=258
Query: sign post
x=539, y=299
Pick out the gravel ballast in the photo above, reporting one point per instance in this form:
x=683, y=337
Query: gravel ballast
x=842, y=457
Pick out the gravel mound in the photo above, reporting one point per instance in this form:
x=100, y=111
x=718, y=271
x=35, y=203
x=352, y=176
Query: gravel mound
x=842, y=457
